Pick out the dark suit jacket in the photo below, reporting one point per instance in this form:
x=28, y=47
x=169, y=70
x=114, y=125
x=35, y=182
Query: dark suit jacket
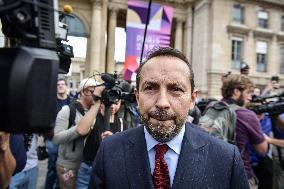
x=205, y=162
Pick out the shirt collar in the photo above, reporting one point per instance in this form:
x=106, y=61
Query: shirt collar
x=174, y=144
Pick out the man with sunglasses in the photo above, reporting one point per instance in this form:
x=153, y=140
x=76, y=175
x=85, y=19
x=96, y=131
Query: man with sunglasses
x=70, y=134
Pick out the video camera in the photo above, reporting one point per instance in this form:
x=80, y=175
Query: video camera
x=29, y=66
x=115, y=90
x=261, y=104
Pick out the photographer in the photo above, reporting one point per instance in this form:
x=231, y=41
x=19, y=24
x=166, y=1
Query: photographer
x=244, y=70
x=268, y=166
x=237, y=89
x=70, y=136
x=63, y=99
x=94, y=140
x=272, y=88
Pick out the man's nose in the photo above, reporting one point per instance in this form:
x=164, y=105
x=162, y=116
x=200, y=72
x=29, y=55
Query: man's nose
x=163, y=100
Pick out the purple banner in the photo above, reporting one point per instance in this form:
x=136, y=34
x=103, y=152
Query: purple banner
x=158, y=33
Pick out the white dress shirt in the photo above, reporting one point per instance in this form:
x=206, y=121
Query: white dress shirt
x=171, y=156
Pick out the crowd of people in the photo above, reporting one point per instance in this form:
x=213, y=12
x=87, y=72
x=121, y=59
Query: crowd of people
x=167, y=148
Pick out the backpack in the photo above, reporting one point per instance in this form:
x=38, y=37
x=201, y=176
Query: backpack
x=219, y=120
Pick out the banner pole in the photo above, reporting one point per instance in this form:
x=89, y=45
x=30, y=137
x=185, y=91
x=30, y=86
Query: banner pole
x=146, y=28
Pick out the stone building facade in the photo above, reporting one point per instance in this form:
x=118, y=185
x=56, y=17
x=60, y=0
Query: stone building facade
x=215, y=35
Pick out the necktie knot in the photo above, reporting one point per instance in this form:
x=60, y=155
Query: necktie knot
x=161, y=149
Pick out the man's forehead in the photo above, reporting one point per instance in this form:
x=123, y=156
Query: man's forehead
x=167, y=81
x=165, y=64
x=61, y=82
x=165, y=60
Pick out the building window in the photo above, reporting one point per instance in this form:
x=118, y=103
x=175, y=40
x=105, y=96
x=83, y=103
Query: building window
x=282, y=23
x=262, y=19
x=261, y=56
x=238, y=14
x=76, y=26
x=282, y=59
x=237, y=52
x=77, y=36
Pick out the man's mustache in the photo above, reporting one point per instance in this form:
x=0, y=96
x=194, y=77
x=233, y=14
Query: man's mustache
x=162, y=115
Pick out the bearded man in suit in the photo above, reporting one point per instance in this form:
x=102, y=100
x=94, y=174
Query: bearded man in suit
x=165, y=151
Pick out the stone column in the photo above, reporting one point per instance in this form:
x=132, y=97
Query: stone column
x=104, y=10
x=111, y=39
x=200, y=45
x=273, y=66
x=187, y=34
x=179, y=34
x=95, y=34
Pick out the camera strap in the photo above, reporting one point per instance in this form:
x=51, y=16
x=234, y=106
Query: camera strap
x=73, y=106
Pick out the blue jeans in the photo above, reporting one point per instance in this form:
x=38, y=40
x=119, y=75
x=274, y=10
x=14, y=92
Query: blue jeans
x=25, y=179
x=83, y=177
x=51, y=180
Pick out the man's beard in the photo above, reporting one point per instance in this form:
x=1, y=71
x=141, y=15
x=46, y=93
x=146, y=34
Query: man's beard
x=163, y=131
x=240, y=101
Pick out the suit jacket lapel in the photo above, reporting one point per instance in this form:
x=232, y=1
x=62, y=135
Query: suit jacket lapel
x=192, y=160
x=137, y=161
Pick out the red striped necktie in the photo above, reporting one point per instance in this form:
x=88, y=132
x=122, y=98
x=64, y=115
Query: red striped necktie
x=161, y=177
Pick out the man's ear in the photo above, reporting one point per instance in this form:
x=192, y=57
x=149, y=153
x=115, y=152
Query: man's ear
x=136, y=92
x=236, y=94
x=193, y=99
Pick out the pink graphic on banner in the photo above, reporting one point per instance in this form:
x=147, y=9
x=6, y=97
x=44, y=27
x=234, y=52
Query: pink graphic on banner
x=158, y=33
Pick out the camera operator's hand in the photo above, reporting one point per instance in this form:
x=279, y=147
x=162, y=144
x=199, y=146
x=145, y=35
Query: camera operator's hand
x=97, y=94
x=4, y=141
x=85, y=124
x=267, y=89
x=106, y=134
x=8, y=162
x=276, y=142
x=260, y=116
x=98, y=90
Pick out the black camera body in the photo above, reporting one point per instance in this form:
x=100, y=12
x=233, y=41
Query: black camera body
x=261, y=104
x=116, y=90
x=273, y=108
x=30, y=64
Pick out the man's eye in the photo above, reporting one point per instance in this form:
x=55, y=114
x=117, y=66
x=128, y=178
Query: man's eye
x=148, y=88
x=177, y=89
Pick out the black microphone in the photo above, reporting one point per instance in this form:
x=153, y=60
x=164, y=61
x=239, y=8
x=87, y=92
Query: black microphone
x=108, y=79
